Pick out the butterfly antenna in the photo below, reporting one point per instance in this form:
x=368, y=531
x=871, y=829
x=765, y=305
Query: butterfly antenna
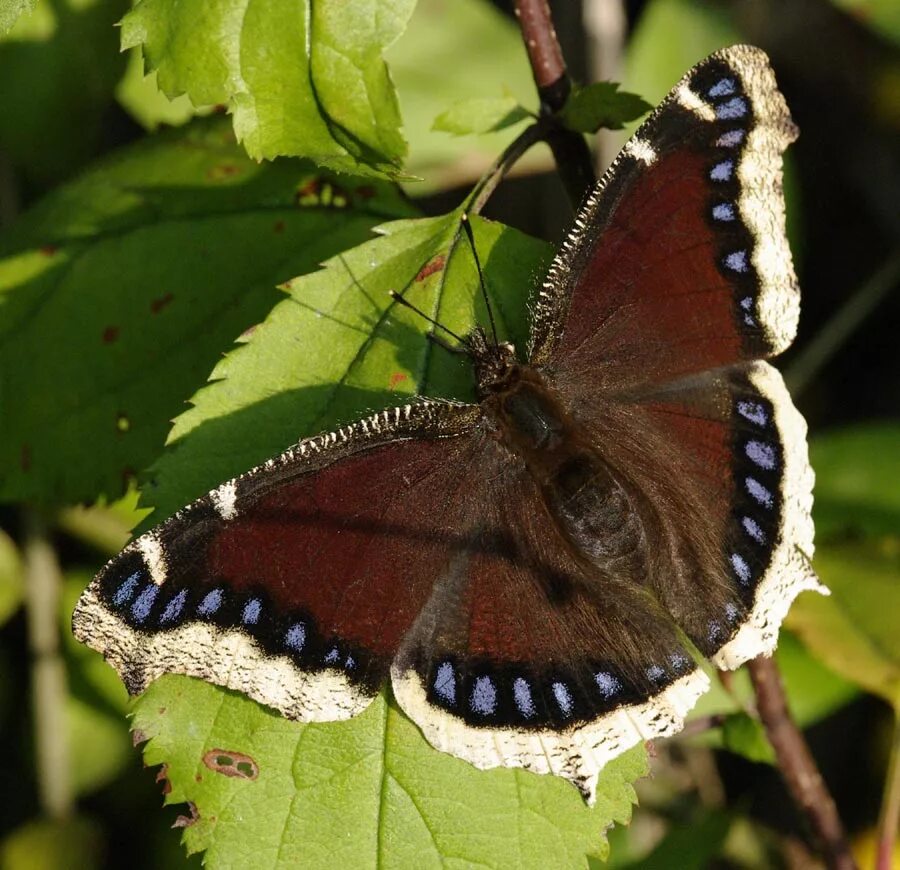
x=405, y=302
x=467, y=226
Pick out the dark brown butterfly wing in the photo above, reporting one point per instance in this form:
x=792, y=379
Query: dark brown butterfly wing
x=678, y=270
x=679, y=260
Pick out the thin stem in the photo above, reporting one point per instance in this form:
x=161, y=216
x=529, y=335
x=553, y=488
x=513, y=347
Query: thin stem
x=797, y=766
x=570, y=151
x=48, y=675
x=842, y=324
x=890, y=807
x=488, y=182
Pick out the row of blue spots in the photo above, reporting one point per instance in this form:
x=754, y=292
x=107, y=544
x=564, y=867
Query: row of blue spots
x=484, y=698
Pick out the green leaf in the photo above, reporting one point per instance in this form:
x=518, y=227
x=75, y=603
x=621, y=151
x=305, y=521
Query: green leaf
x=131, y=281
x=602, y=104
x=139, y=94
x=410, y=805
x=746, y=736
x=339, y=347
x=11, y=10
x=59, y=67
x=485, y=115
x=305, y=80
x=483, y=49
x=12, y=578
x=857, y=470
x=854, y=631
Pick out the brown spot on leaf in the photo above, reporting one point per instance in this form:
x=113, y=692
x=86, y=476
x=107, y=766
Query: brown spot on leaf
x=110, y=334
x=128, y=476
x=25, y=458
x=245, y=335
x=279, y=227
x=187, y=821
x=435, y=264
x=48, y=250
x=396, y=378
x=231, y=763
x=308, y=192
x=162, y=776
x=157, y=305
x=365, y=191
x=138, y=737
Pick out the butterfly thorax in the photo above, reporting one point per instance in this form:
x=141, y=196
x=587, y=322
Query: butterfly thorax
x=590, y=505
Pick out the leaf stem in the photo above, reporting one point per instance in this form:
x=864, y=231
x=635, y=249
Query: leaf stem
x=48, y=676
x=890, y=806
x=797, y=765
x=570, y=150
x=487, y=184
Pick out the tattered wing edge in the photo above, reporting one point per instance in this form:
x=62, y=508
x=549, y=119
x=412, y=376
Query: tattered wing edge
x=578, y=754
x=789, y=572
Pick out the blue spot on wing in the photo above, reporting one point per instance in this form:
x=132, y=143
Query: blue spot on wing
x=445, y=683
x=295, y=637
x=211, y=602
x=484, y=696
x=126, y=590
x=174, y=607
x=142, y=605
x=522, y=697
x=251, y=612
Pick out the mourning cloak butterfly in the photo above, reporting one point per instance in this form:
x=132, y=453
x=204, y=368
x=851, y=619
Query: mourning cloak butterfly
x=532, y=572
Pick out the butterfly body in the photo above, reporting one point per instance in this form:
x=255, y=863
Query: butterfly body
x=532, y=573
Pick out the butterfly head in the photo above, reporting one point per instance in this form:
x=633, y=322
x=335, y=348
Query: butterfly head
x=495, y=364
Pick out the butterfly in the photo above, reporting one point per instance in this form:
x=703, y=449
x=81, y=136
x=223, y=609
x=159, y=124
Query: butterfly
x=533, y=573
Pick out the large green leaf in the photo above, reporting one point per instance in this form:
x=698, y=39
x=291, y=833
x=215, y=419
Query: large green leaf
x=339, y=347
x=58, y=69
x=369, y=791
x=304, y=80
x=119, y=292
x=856, y=631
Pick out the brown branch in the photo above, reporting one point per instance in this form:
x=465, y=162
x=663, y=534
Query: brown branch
x=570, y=151
x=797, y=766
